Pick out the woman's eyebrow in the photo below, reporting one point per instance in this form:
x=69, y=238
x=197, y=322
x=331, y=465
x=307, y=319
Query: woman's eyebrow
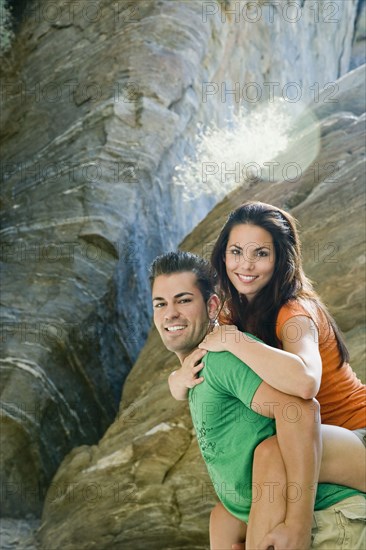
x=259, y=247
x=263, y=246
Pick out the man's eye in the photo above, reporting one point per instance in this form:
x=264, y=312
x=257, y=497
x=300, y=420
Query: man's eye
x=157, y=306
x=185, y=300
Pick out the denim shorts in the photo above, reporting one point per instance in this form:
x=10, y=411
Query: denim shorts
x=341, y=526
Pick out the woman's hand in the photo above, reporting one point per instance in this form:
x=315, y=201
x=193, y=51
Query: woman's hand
x=190, y=368
x=286, y=537
x=187, y=376
x=220, y=338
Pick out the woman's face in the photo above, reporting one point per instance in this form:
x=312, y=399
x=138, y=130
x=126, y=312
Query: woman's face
x=250, y=259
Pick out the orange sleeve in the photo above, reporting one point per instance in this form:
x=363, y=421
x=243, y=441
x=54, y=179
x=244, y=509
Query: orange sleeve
x=341, y=394
x=288, y=310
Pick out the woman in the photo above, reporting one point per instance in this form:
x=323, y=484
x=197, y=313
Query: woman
x=265, y=292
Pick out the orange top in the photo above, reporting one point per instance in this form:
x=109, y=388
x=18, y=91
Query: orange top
x=342, y=396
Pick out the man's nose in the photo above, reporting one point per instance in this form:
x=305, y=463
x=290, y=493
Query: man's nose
x=171, y=312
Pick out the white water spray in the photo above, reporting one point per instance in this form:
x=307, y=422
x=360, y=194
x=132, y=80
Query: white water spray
x=275, y=142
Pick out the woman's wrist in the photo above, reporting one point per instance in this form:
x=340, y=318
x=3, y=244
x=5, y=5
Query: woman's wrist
x=177, y=388
x=237, y=345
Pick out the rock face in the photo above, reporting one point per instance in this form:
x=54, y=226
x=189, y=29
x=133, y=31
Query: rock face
x=145, y=484
x=101, y=105
x=18, y=534
x=358, y=55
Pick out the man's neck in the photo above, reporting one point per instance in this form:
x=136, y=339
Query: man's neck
x=183, y=355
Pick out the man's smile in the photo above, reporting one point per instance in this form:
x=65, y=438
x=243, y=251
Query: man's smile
x=175, y=328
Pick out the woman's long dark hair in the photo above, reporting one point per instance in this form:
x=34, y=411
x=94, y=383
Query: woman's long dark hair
x=288, y=281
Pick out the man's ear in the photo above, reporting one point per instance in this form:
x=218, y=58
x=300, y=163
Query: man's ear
x=213, y=307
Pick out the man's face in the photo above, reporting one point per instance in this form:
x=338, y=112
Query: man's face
x=180, y=313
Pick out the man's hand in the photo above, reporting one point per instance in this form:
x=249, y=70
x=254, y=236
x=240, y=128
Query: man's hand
x=187, y=376
x=220, y=338
x=286, y=537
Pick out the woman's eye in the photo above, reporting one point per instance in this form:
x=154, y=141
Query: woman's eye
x=262, y=253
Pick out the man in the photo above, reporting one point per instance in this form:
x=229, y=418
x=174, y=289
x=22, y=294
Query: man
x=225, y=412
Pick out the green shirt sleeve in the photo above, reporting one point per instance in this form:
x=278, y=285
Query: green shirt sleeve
x=233, y=377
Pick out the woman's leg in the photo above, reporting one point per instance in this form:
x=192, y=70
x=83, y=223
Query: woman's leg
x=269, y=485
x=225, y=529
x=343, y=459
x=343, y=462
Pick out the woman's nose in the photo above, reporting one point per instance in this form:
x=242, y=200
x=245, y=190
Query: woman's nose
x=247, y=261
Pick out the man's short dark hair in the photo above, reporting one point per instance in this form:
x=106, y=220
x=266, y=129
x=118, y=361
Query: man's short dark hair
x=180, y=261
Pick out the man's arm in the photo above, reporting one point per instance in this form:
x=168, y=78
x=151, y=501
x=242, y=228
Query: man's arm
x=299, y=439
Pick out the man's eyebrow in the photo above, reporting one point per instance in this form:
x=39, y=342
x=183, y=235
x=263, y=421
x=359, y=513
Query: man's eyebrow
x=183, y=294
x=176, y=296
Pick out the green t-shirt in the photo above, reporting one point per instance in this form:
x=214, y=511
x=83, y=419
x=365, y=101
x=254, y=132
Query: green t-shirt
x=228, y=431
